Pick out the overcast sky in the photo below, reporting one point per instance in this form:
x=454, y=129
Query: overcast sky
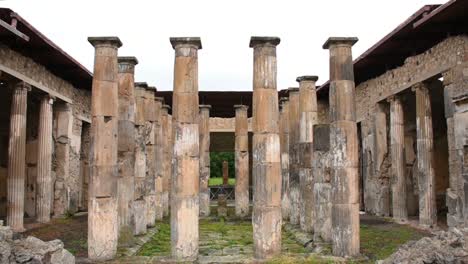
x=225, y=27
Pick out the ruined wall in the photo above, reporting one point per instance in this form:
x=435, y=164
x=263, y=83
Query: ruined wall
x=68, y=189
x=373, y=114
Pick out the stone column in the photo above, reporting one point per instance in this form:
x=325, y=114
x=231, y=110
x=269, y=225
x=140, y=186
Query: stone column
x=344, y=148
x=150, y=127
x=284, y=146
x=167, y=154
x=185, y=162
x=126, y=140
x=294, y=155
x=397, y=145
x=307, y=119
x=266, y=171
x=17, y=157
x=425, y=148
x=44, y=161
x=242, y=161
x=225, y=172
x=159, y=159
x=204, y=159
x=103, y=209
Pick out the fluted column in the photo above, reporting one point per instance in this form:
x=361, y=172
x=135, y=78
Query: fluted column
x=167, y=154
x=266, y=172
x=159, y=159
x=204, y=159
x=103, y=209
x=425, y=147
x=397, y=145
x=307, y=119
x=343, y=148
x=150, y=141
x=44, y=161
x=242, y=161
x=185, y=174
x=294, y=213
x=17, y=157
x=126, y=140
x=284, y=146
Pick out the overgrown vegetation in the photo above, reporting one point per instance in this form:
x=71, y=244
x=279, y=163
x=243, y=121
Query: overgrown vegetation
x=160, y=244
x=216, y=164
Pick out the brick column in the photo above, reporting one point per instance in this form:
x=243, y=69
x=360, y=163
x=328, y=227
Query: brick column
x=17, y=157
x=344, y=148
x=204, y=159
x=307, y=119
x=284, y=146
x=159, y=159
x=150, y=141
x=242, y=161
x=167, y=154
x=294, y=155
x=126, y=139
x=425, y=149
x=103, y=212
x=44, y=161
x=397, y=145
x=185, y=162
x=266, y=172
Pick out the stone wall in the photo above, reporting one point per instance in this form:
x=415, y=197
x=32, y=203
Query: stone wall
x=68, y=191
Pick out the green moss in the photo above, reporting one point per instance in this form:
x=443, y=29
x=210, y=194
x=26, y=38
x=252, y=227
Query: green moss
x=290, y=259
x=160, y=243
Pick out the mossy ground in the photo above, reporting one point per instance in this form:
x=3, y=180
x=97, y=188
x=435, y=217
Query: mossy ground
x=219, y=181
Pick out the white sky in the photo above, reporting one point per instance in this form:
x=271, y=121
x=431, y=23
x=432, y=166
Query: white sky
x=225, y=27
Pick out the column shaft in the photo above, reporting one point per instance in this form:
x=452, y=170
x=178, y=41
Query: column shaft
x=294, y=192
x=185, y=181
x=242, y=161
x=204, y=159
x=17, y=157
x=151, y=166
x=266, y=172
x=167, y=154
x=44, y=162
x=159, y=159
x=397, y=144
x=284, y=142
x=425, y=148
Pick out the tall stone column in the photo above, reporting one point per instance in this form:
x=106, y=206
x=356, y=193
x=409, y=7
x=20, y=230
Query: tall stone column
x=17, y=157
x=185, y=162
x=159, y=159
x=204, y=159
x=397, y=145
x=266, y=171
x=44, y=161
x=294, y=213
x=126, y=140
x=103, y=209
x=425, y=148
x=343, y=148
x=242, y=161
x=307, y=119
x=151, y=171
x=284, y=146
x=167, y=154
x=225, y=172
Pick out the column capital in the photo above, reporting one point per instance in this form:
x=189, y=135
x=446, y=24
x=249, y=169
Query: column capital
x=241, y=107
x=393, y=98
x=419, y=86
x=167, y=107
x=263, y=41
x=311, y=78
x=159, y=99
x=50, y=98
x=345, y=41
x=23, y=85
x=293, y=90
x=105, y=41
x=127, y=60
x=185, y=41
x=141, y=85
x=127, y=64
x=204, y=106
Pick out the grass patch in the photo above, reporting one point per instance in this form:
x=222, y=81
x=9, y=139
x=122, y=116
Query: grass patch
x=219, y=181
x=313, y=259
x=160, y=243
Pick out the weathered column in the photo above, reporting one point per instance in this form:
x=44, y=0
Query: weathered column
x=225, y=172
x=397, y=145
x=425, y=148
x=159, y=159
x=241, y=149
x=167, y=154
x=344, y=148
x=204, y=159
x=307, y=119
x=294, y=155
x=185, y=174
x=126, y=140
x=44, y=188
x=284, y=146
x=266, y=171
x=151, y=171
x=17, y=157
x=103, y=209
